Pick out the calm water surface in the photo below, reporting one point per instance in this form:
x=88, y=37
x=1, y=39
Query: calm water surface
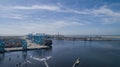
x=64, y=53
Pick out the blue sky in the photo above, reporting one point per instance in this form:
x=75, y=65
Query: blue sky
x=73, y=17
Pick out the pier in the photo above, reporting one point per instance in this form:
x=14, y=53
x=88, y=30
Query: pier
x=30, y=46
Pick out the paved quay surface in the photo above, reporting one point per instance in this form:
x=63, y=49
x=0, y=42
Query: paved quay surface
x=30, y=46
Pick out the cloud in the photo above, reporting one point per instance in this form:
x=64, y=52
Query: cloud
x=14, y=12
x=57, y=8
x=104, y=10
x=61, y=24
x=12, y=16
x=110, y=20
x=51, y=26
x=37, y=7
x=103, y=14
x=28, y=27
x=106, y=15
x=8, y=13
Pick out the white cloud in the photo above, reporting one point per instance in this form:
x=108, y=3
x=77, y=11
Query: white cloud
x=25, y=28
x=12, y=16
x=57, y=8
x=14, y=12
x=68, y=10
x=108, y=16
x=51, y=26
x=110, y=20
x=105, y=11
x=34, y=7
x=60, y=24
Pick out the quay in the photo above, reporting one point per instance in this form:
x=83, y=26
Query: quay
x=24, y=43
x=33, y=47
x=29, y=48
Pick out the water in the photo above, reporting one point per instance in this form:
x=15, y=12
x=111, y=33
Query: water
x=64, y=54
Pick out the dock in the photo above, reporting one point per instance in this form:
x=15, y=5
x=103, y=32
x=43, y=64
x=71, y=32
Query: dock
x=24, y=43
x=30, y=46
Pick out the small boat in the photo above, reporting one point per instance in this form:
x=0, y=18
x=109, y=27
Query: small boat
x=76, y=62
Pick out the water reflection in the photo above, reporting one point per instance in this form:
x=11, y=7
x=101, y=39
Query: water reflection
x=24, y=58
x=40, y=56
x=63, y=53
x=40, y=53
x=1, y=57
x=24, y=54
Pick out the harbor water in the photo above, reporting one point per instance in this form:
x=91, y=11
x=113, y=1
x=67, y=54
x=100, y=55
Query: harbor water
x=64, y=53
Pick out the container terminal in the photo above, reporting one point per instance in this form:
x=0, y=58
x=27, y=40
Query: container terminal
x=23, y=43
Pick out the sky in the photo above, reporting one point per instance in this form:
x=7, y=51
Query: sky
x=71, y=17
